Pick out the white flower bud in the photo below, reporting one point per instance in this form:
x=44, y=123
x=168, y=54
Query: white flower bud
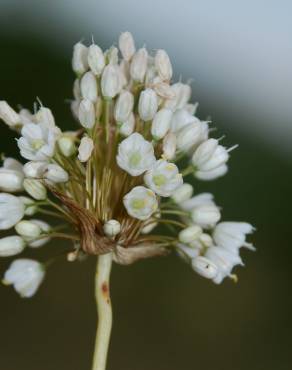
x=181, y=118
x=206, y=215
x=190, y=234
x=183, y=193
x=26, y=275
x=8, y=115
x=139, y=65
x=112, y=55
x=11, y=180
x=45, y=229
x=86, y=113
x=163, y=90
x=35, y=169
x=232, y=235
x=56, y=174
x=11, y=210
x=182, y=93
x=45, y=115
x=35, y=189
x=66, y=146
x=96, y=60
x=204, y=267
x=28, y=229
x=85, y=149
x=124, y=106
x=169, y=146
x=127, y=45
x=198, y=200
x=88, y=87
x=29, y=204
x=212, y=174
x=110, y=81
x=11, y=245
x=79, y=60
x=128, y=126
x=189, y=136
x=148, y=104
x=186, y=252
x=163, y=65
x=76, y=90
x=161, y=123
x=112, y=228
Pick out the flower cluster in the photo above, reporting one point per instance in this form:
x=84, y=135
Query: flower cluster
x=119, y=176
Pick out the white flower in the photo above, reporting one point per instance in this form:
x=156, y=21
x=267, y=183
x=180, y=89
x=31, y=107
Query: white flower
x=191, y=108
x=35, y=169
x=37, y=142
x=111, y=81
x=212, y=174
x=135, y=155
x=45, y=229
x=8, y=115
x=86, y=113
x=45, y=116
x=197, y=200
x=140, y=203
x=11, y=175
x=182, y=93
x=66, y=146
x=96, y=60
x=205, y=267
x=30, y=206
x=79, y=60
x=124, y=106
x=169, y=146
x=182, y=193
x=224, y=260
x=88, y=87
x=163, y=178
x=190, y=234
x=148, y=104
x=112, y=55
x=128, y=126
x=112, y=228
x=206, y=215
x=85, y=149
x=11, y=245
x=11, y=210
x=35, y=189
x=189, y=136
x=232, y=235
x=139, y=65
x=28, y=229
x=127, y=45
x=180, y=119
x=163, y=89
x=26, y=275
x=56, y=173
x=187, y=252
x=161, y=123
x=163, y=65
x=202, y=242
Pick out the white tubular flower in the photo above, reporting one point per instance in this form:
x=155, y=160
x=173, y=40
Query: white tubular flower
x=96, y=60
x=111, y=81
x=205, y=267
x=198, y=200
x=124, y=106
x=128, y=126
x=182, y=193
x=224, y=260
x=37, y=142
x=11, y=176
x=127, y=45
x=45, y=116
x=66, y=146
x=85, y=149
x=140, y=203
x=163, y=65
x=212, y=174
x=169, y=146
x=139, y=65
x=163, y=178
x=232, y=235
x=180, y=119
x=112, y=228
x=28, y=230
x=8, y=115
x=206, y=215
x=30, y=206
x=161, y=123
x=189, y=136
x=35, y=189
x=11, y=245
x=45, y=229
x=148, y=104
x=190, y=234
x=56, y=174
x=11, y=210
x=210, y=156
x=135, y=155
x=86, y=113
x=35, y=169
x=79, y=60
x=25, y=275
x=182, y=93
x=88, y=87
x=186, y=252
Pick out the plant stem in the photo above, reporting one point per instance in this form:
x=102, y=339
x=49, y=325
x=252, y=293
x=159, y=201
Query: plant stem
x=104, y=310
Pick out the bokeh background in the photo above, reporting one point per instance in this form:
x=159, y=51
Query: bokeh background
x=239, y=55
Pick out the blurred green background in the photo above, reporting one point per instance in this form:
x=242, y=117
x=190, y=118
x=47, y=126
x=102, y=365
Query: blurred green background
x=165, y=316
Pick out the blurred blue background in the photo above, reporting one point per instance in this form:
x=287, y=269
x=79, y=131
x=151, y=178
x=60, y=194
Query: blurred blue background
x=239, y=57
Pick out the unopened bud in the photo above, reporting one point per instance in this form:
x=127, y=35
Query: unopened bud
x=35, y=169
x=112, y=228
x=169, y=146
x=56, y=174
x=163, y=65
x=29, y=204
x=11, y=245
x=110, y=81
x=190, y=233
x=85, y=149
x=183, y=193
x=28, y=229
x=35, y=189
x=139, y=65
x=8, y=115
x=96, y=59
x=124, y=106
x=79, y=60
x=148, y=104
x=128, y=126
x=66, y=146
x=161, y=123
x=86, y=113
x=45, y=115
x=127, y=45
x=88, y=87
